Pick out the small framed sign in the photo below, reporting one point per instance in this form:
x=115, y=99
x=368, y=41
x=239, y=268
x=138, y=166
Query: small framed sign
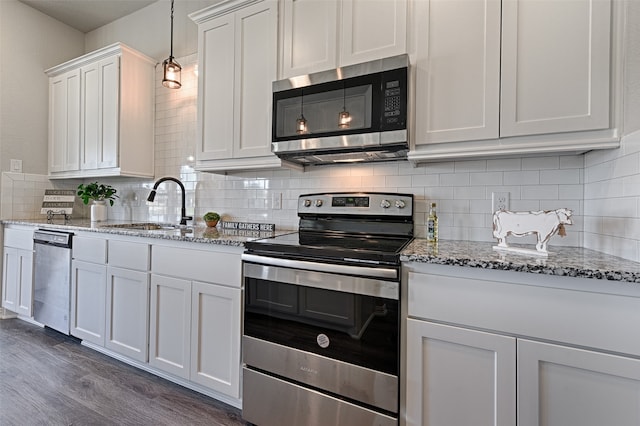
x=58, y=201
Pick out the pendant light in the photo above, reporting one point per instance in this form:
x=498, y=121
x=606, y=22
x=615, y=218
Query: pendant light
x=301, y=122
x=344, y=118
x=171, y=69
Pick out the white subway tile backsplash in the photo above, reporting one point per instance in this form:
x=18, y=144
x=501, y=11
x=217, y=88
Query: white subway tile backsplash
x=486, y=178
x=540, y=192
x=506, y=164
x=540, y=163
x=455, y=179
x=470, y=166
x=531, y=177
x=565, y=176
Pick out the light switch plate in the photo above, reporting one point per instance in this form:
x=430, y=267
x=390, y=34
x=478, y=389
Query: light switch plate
x=16, y=166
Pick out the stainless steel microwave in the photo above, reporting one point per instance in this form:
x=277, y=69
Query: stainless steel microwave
x=356, y=113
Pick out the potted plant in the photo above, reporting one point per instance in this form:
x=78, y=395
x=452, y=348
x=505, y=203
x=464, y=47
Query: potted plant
x=211, y=218
x=98, y=194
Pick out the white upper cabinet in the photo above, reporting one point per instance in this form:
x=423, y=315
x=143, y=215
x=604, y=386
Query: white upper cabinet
x=372, y=30
x=325, y=34
x=457, y=70
x=64, y=122
x=555, y=66
x=101, y=115
x=514, y=77
x=237, y=55
x=309, y=36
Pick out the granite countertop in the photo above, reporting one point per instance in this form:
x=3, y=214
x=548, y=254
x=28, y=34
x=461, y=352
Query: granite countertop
x=195, y=234
x=562, y=261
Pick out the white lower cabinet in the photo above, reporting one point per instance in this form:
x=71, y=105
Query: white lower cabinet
x=88, y=288
x=215, y=337
x=88, y=291
x=559, y=385
x=196, y=317
x=195, y=332
x=170, y=325
x=17, y=271
x=17, y=280
x=127, y=312
x=459, y=376
x=499, y=348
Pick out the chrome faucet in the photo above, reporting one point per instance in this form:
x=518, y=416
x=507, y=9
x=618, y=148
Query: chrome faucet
x=183, y=213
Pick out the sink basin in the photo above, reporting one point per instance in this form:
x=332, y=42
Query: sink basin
x=144, y=226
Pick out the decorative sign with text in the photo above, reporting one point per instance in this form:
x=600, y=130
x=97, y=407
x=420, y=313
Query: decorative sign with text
x=58, y=201
x=247, y=226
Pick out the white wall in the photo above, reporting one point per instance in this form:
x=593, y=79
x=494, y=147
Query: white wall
x=148, y=30
x=30, y=42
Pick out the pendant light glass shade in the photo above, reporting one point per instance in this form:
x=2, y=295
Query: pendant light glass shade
x=171, y=69
x=171, y=73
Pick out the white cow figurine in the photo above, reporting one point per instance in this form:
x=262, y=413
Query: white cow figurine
x=543, y=223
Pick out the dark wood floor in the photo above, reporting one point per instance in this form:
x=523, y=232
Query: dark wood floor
x=47, y=378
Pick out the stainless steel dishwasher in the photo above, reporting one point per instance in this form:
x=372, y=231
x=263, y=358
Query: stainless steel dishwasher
x=52, y=278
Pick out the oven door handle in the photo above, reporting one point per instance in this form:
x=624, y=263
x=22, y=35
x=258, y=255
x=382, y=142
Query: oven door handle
x=368, y=271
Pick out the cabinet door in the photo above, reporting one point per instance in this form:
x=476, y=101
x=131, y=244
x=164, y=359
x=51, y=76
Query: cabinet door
x=88, y=293
x=64, y=122
x=170, y=325
x=256, y=35
x=127, y=319
x=215, y=337
x=17, y=281
x=10, y=278
x=215, y=88
x=457, y=70
x=559, y=385
x=99, y=119
x=555, y=66
x=25, y=283
x=457, y=376
x=309, y=39
x=372, y=30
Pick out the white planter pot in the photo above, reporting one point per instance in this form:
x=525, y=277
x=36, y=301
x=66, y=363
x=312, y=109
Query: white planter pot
x=98, y=211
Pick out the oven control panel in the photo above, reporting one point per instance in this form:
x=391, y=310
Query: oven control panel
x=375, y=203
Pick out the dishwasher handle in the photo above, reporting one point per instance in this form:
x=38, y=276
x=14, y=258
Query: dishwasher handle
x=52, y=238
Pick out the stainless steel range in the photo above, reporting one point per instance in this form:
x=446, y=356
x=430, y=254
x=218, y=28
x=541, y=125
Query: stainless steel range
x=321, y=338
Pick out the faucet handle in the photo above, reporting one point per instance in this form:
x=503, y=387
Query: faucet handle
x=184, y=220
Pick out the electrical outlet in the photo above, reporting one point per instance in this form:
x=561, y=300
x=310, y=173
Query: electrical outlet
x=276, y=201
x=499, y=201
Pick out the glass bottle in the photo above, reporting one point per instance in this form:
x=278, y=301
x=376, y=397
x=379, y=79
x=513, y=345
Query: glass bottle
x=432, y=225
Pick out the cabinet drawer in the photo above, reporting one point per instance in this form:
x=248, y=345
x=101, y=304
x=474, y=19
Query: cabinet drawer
x=18, y=238
x=199, y=265
x=90, y=249
x=128, y=255
x=584, y=318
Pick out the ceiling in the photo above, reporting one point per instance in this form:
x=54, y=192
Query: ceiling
x=87, y=15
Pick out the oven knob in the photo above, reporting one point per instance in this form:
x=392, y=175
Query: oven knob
x=318, y=203
x=385, y=204
x=400, y=204
x=307, y=203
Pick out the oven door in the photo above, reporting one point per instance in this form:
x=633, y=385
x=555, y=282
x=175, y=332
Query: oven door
x=332, y=332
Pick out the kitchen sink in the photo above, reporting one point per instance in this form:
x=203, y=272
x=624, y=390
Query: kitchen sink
x=144, y=226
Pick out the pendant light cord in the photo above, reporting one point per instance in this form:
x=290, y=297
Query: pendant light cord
x=171, y=53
